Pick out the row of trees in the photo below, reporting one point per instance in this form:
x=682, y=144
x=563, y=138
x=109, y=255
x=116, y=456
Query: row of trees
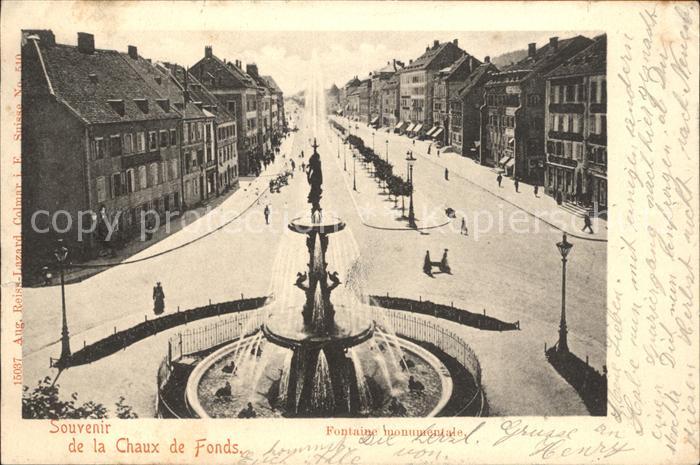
x=383, y=170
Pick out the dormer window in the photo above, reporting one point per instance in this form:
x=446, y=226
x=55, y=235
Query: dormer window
x=142, y=103
x=164, y=103
x=158, y=79
x=117, y=105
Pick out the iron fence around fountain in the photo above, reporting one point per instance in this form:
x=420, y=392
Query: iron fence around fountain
x=194, y=340
x=421, y=329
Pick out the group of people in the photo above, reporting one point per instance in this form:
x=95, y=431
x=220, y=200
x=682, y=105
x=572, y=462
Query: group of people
x=442, y=265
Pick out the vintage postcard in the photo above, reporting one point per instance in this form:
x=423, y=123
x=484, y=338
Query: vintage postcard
x=350, y=232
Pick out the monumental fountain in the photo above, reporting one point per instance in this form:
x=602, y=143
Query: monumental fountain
x=323, y=359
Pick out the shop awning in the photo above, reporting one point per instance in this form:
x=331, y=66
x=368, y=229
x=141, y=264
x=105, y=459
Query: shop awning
x=433, y=129
x=399, y=124
x=477, y=143
x=504, y=160
x=510, y=163
x=410, y=128
x=418, y=128
x=374, y=120
x=437, y=133
x=510, y=141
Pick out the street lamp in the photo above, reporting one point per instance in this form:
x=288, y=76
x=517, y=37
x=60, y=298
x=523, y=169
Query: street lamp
x=410, y=160
x=564, y=248
x=387, y=150
x=372, y=141
x=61, y=254
x=354, y=180
x=345, y=157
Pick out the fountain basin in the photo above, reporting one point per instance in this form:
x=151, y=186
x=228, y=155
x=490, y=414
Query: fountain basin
x=326, y=224
x=254, y=385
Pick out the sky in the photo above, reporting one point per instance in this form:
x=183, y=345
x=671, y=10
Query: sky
x=288, y=55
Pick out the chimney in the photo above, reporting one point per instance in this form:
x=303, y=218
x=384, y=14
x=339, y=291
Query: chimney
x=487, y=59
x=252, y=69
x=436, y=43
x=456, y=42
x=86, y=43
x=133, y=52
x=207, y=51
x=531, y=49
x=554, y=42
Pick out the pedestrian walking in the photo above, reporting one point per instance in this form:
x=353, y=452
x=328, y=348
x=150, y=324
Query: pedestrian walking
x=499, y=178
x=536, y=189
x=438, y=152
x=158, y=299
x=447, y=174
x=516, y=184
x=587, y=224
x=266, y=212
x=464, y=231
x=427, y=265
x=293, y=165
x=430, y=147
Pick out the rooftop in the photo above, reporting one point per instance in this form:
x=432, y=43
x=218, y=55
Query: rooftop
x=592, y=60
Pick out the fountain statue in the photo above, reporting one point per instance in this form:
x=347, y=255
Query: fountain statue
x=322, y=378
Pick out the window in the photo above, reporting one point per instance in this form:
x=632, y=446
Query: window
x=580, y=91
x=567, y=149
x=115, y=145
x=140, y=142
x=128, y=143
x=101, y=187
x=578, y=151
x=99, y=149
x=130, y=184
x=173, y=169
x=603, y=124
x=603, y=91
x=116, y=185
x=164, y=170
x=173, y=137
x=576, y=124
x=152, y=140
x=164, y=138
x=143, y=178
x=594, y=91
x=154, y=174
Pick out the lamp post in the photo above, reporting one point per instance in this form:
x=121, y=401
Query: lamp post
x=354, y=180
x=345, y=157
x=564, y=248
x=387, y=150
x=373, y=141
x=61, y=254
x=411, y=216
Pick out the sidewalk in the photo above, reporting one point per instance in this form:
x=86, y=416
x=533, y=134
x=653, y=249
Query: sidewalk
x=542, y=207
x=237, y=202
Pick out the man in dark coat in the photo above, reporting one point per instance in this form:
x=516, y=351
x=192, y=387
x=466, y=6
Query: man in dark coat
x=587, y=224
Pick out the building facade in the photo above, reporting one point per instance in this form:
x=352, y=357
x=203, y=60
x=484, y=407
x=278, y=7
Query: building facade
x=514, y=110
x=416, y=84
x=446, y=84
x=238, y=93
x=576, y=129
x=390, y=102
x=465, y=115
x=98, y=143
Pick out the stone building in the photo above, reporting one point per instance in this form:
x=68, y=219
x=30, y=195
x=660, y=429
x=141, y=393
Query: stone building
x=465, y=115
x=98, y=145
x=238, y=92
x=416, y=84
x=576, y=129
x=447, y=83
x=512, y=118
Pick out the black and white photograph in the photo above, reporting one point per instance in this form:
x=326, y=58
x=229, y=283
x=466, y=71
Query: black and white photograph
x=332, y=225
x=349, y=232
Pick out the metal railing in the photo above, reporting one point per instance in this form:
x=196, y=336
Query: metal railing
x=422, y=329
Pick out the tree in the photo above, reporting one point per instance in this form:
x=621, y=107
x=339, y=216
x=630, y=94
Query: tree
x=44, y=402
